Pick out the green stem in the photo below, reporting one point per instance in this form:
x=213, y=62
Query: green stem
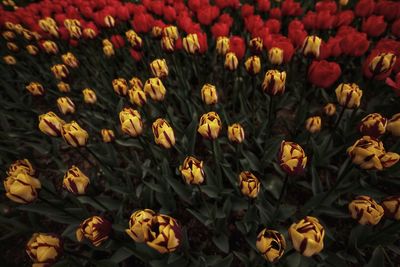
x=281, y=194
x=205, y=204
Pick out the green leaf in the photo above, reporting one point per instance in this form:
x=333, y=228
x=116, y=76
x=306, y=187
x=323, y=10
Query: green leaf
x=377, y=259
x=222, y=242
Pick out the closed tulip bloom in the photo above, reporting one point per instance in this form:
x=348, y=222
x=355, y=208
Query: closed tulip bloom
x=74, y=135
x=343, y=2
x=9, y=60
x=63, y=87
x=75, y=181
x=313, y=124
x=159, y=68
x=382, y=63
x=192, y=171
x=44, y=249
x=50, y=47
x=171, y=32
x=89, y=96
x=20, y=166
x=249, y=184
x=391, y=206
x=307, y=236
x=155, y=88
x=109, y=21
x=89, y=33
x=275, y=55
x=134, y=39
x=13, y=47
x=60, y=71
x=139, y=225
x=236, y=133
x=256, y=45
x=163, y=133
x=271, y=244
x=191, y=43
x=137, y=97
x=369, y=153
x=135, y=83
x=32, y=50
x=330, y=109
x=292, y=158
x=349, y=95
x=108, y=50
x=365, y=210
x=8, y=35
x=120, y=86
x=393, y=125
x=222, y=45
x=70, y=60
x=165, y=234
x=274, y=82
x=65, y=105
x=21, y=187
x=35, y=89
x=156, y=31
x=210, y=125
x=253, y=65
x=107, y=135
x=95, y=229
x=311, y=46
x=209, y=94
x=373, y=125
x=131, y=122
x=231, y=61
x=50, y=124
x=75, y=31
x=168, y=44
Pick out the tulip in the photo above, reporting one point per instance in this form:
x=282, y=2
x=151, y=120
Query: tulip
x=274, y=82
x=63, y=87
x=393, y=125
x=275, y=55
x=165, y=234
x=249, y=184
x=44, y=249
x=89, y=33
x=382, y=63
x=231, y=61
x=21, y=187
x=21, y=166
x=171, y=32
x=108, y=50
x=343, y=2
x=75, y=181
x=35, y=89
x=191, y=43
x=365, y=210
x=70, y=60
x=120, y=86
x=32, y=50
x=75, y=32
x=8, y=35
x=222, y=45
x=369, y=153
x=50, y=47
x=167, y=44
x=109, y=21
x=60, y=71
x=156, y=31
x=13, y=47
x=209, y=94
x=391, y=206
x=134, y=39
x=256, y=45
x=373, y=125
x=292, y=158
x=349, y=95
x=65, y=105
x=163, y=133
x=95, y=229
x=192, y=171
x=236, y=133
x=131, y=122
x=74, y=135
x=271, y=244
x=107, y=135
x=210, y=125
x=50, y=124
x=135, y=83
x=313, y=124
x=311, y=46
x=330, y=109
x=89, y=96
x=155, y=88
x=159, y=68
x=307, y=236
x=137, y=97
x=9, y=60
x=253, y=65
x=139, y=225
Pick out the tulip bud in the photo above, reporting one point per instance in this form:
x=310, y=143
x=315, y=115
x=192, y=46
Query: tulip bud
x=32, y=50
x=313, y=124
x=139, y=225
x=369, y=153
x=191, y=43
x=21, y=187
x=134, y=39
x=365, y=210
x=292, y=158
x=35, y=89
x=156, y=31
x=165, y=234
x=192, y=171
x=249, y=184
x=63, y=87
x=120, y=86
x=343, y=2
x=171, y=32
x=330, y=109
x=20, y=166
x=393, y=125
x=210, y=125
x=109, y=21
x=231, y=61
x=235, y=133
x=167, y=44
x=391, y=206
x=253, y=65
x=75, y=32
x=60, y=71
x=95, y=229
x=222, y=45
x=13, y=47
x=155, y=88
x=44, y=249
x=135, y=83
x=89, y=33
x=70, y=60
x=137, y=97
x=50, y=124
x=65, y=105
x=382, y=63
x=159, y=68
x=209, y=94
x=8, y=35
x=311, y=46
x=50, y=47
x=307, y=236
x=256, y=45
x=274, y=82
x=75, y=181
x=9, y=60
x=107, y=135
x=131, y=122
x=74, y=135
x=163, y=133
x=89, y=96
x=349, y=95
x=373, y=125
x=108, y=50
x=271, y=244
x=275, y=55
x=28, y=35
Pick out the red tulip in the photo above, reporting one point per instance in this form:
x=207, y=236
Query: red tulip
x=323, y=73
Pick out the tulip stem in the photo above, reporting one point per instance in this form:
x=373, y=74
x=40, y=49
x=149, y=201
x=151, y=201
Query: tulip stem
x=338, y=120
x=270, y=111
x=98, y=159
x=205, y=204
x=283, y=189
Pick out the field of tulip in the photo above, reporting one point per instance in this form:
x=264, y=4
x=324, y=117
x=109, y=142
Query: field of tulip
x=200, y=133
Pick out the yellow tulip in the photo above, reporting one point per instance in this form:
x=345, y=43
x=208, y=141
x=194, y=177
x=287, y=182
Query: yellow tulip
x=236, y=133
x=222, y=45
x=253, y=65
x=50, y=124
x=311, y=46
x=75, y=181
x=271, y=244
x=256, y=45
x=137, y=97
x=65, y=105
x=191, y=43
x=165, y=234
x=163, y=133
x=21, y=187
x=44, y=249
x=365, y=210
x=292, y=158
x=209, y=94
x=70, y=60
x=74, y=135
x=139, y=225
x=120, y=86
x=131, y=122
x=159, y=68
x=274, y=82
x=349, y=95
x=107, y=135
x=275, y=55
x=192, y=171
x=210, y=125
x=60, y=71
x=35, y=89
x=63, y=87
x=313, y=124
x=89, y=96
x=330, y=109
x=231, y=61
x=382, y=63
x=95, y=229
x=249, y=184
x=155, y=88
x=21, y=166
x=171, y=32
x=373, y=125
